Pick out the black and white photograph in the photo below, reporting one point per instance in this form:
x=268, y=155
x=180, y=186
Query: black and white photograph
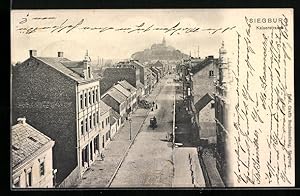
x=152, y=98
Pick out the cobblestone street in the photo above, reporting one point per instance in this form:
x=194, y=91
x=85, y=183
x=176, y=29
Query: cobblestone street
x=102, y=171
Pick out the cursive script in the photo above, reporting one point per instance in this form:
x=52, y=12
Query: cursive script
x=51, y=24
x=262, y=128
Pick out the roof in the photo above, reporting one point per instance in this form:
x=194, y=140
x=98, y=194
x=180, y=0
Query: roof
x=26, y=141
x=76, y=66
x=127, y=85
x=104, y=107
x=138, y=63
x=203, y=102
x=123, y=90
x=200, y=65
x=154, y=69
x=116, y=95
x=139, y=85
x=72, y=69
x=115, y=114
x=55, y=62
x=158, y=63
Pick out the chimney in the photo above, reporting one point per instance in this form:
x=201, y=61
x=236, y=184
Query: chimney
x=32, y=53
x=21, y=120
x=60, y=54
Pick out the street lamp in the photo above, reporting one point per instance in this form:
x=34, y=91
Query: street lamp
x=130, y=129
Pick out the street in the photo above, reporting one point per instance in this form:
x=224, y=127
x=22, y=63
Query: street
x=149, y=161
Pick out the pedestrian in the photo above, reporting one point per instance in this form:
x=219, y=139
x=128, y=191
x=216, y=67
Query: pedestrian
x=102, y=156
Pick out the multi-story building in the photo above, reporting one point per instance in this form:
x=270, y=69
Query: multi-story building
x=221, y=113
x=204, y=76
x=32, y=164
x=61, y=98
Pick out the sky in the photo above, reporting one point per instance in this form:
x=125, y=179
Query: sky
x=119, y=45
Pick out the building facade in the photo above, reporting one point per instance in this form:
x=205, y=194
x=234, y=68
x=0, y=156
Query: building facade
x=117, y=101
x=133, y=93
x=105, y=122
x=32, y=163
x=61, y=98
x=221, y=113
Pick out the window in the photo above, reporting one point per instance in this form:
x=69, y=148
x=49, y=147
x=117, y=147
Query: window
x=90, y=98
x=90, y=117
x=211, y=73
x=97, y=114
x=212, y=105
x=42, y=168
x=94, y=119
x=96, y=95
x=16, y=182
x=85, y=99
x=81, y=101
x=29, y=178
x=107, y=136
x=102, y=125
x=82, y=128
x=86, y=124
x=93, y=96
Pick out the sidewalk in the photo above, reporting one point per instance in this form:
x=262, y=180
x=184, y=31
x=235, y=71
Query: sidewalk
x=101, y=172
x=188, y=172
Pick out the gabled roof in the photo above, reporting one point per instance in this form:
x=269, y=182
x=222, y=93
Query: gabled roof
x=154, y=69
x=203, y=102
x=55, y=62
x=26, y=141
x=116, y=95
x=123, y=90
x=104, y=107
x=127, y=85
x=76, y=66
x=200, y=65
x=71, y=69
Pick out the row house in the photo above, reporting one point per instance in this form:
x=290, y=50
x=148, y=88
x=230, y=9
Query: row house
x=158, y=64
x=61, y=98
x=154, y=77
x=115, y=122
x=133, y=93
x=122, y=71
x=127, y=94
x=156, y=72
x=145, y=76
x=117, y=101
x=32, y=163
x=105, y=122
